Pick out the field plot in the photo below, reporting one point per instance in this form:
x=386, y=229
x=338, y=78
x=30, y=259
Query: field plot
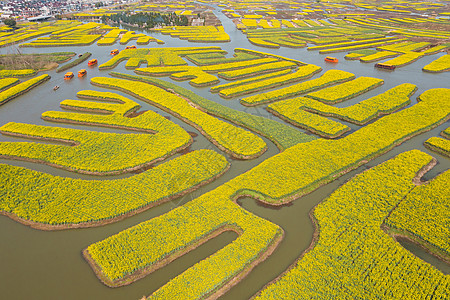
x=99, y=202
x=262, y=83
x=233, y=140
x=196, y=75
x=80, y=35
x=21, y=88
x=264, y=188
x=440, y=145
x=302, y=111
x=442, y=64
x=156, y=56
x=201, y=34
x=22, y=65
x=422, y=216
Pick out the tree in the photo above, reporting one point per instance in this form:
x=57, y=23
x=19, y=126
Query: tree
x=10, y=22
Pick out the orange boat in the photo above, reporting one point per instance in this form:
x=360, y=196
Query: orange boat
x=82, y=73
x=92, y=62
x=384, y=66
x=331, y=59
x=130, y=47
x=115, y=51
x=68, y=76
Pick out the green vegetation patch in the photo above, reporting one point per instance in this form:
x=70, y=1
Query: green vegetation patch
x=219, y=58
x=359, y=53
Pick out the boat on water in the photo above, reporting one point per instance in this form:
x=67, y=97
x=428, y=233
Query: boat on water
x=130, y=47
x=92, y=62
x=115, y=51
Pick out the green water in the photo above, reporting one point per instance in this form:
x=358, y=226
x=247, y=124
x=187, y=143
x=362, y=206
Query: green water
x=48, y=265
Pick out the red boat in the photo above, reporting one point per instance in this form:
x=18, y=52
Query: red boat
x=92, y=62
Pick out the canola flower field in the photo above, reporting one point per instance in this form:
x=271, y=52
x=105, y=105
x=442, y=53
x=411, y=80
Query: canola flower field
x=152, y=155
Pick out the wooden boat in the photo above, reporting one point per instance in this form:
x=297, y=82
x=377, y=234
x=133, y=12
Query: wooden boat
x=82, y=73
x=384, y=66
x=115, y=51
x=331, y=59
x=55, y=87
x=130, y=47
x=68, y=76
x=92, y=62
